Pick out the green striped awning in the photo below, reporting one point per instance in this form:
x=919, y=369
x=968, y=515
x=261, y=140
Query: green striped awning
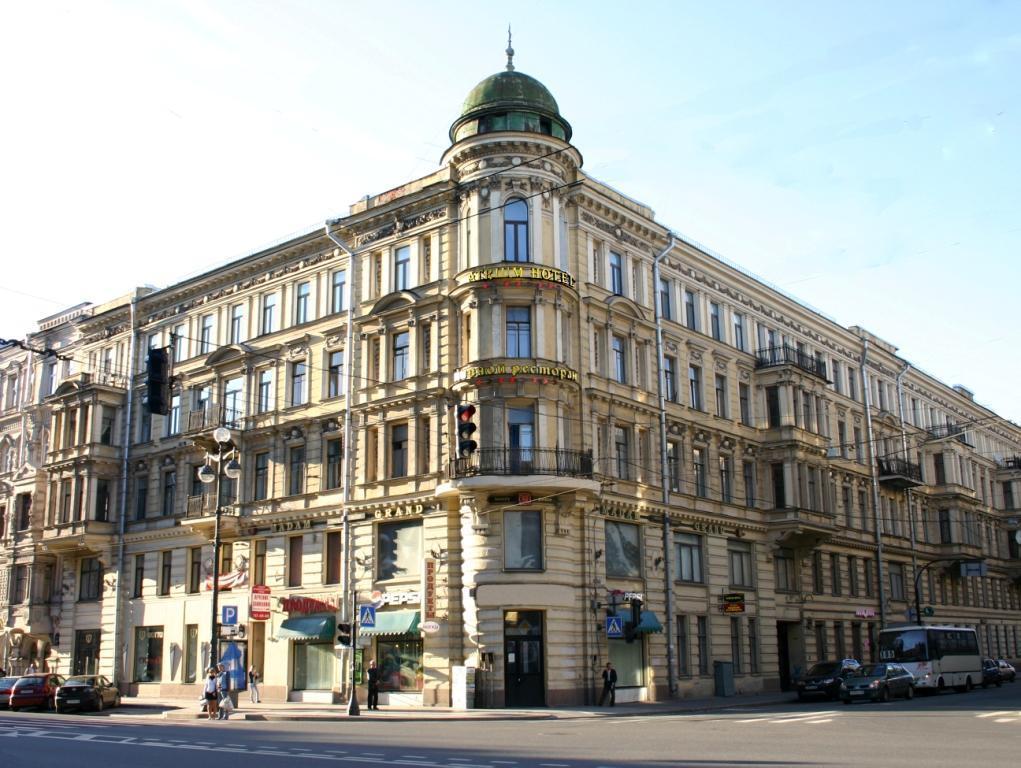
x=648, y=623
x=392, y=623
x=307, y=628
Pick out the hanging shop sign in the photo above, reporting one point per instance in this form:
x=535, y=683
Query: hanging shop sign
x=430, y=627
x=542, y=374
x=733, y=602
x=429, y=589
x=298, y=604
x=259, y=609
x=509, y=275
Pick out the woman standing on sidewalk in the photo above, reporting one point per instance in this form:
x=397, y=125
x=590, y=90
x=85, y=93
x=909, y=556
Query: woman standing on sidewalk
x=253, y=683
x=209, y=692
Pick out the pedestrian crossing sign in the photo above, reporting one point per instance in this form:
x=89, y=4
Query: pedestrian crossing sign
x=614, y=626
x=367, y=615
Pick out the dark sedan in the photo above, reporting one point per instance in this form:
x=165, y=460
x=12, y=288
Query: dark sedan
x=990, y=673
x=87, y=692
x=825, y=678
x=6, y=686
x=35, y=690
x=878, y=682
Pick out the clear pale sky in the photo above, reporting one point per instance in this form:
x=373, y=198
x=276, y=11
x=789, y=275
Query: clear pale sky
x=863, y=157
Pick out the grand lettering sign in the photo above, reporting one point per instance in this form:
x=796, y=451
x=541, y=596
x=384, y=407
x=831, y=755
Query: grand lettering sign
x=713, y=528
x=401, y=510
x=516, y=370
x=530, y=272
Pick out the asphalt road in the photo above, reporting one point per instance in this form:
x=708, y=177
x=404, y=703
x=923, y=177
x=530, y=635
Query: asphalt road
x=982, y=728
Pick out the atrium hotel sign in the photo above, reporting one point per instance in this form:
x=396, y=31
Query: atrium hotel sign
x=513, y=274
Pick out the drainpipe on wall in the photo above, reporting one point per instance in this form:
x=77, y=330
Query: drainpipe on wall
x=119, y=658
x=907, y=492
x=877, y=518
x=347, y=580
x=664, y=474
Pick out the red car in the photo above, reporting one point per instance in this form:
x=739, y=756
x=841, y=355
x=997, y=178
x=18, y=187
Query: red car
x=36, y=690
x=6, y=684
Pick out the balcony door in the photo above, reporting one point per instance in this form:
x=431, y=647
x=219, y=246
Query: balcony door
x=521, y=438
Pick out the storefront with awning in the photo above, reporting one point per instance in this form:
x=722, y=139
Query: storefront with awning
x=628, y=658
x=398, y=651
x=312, y=654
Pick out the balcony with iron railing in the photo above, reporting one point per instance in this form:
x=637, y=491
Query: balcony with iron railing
x=1009, y=464
x=524, y=461
x=771, y=357
x=943, y=431
x=898, y=473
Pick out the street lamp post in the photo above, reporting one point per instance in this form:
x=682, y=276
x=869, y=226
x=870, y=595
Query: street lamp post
x=225, y=452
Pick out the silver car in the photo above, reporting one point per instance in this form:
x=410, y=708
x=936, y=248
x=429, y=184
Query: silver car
x=878, y=682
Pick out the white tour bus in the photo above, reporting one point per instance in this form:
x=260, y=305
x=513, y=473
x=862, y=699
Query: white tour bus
x=937, y=657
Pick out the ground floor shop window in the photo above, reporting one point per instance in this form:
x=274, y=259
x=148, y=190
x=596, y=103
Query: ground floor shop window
x=629, y=661
x=400, y=664
x=148, y=654
x=313, y=666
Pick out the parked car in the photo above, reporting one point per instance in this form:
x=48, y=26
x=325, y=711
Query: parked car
x=36, y=690
x=86, y=692
x=1007, y=672
x=878, y=682
x=6, y=684
x=991, y=673
x=824, y=678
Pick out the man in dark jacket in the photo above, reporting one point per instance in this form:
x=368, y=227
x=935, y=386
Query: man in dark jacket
x=609, y=684
x=373, y=675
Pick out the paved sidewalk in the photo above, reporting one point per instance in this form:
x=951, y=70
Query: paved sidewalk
x=188, y=709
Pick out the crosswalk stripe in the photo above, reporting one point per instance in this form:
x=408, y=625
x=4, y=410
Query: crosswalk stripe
x=993, y=714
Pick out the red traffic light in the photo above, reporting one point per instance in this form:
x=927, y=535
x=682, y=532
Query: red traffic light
x=465, y=412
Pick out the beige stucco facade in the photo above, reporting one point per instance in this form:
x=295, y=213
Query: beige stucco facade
x=512, y=281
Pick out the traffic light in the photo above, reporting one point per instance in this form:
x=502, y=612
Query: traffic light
x=636, y=618
x=344, y=634
x=466, y=446
x=157, y=382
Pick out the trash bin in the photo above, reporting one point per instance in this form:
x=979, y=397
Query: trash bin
x=723, y=673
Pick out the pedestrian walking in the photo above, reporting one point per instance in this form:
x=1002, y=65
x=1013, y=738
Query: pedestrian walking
x=209, y=692
x=373, y=676
x=253, y=683
x=223, y=691
x=609, y=685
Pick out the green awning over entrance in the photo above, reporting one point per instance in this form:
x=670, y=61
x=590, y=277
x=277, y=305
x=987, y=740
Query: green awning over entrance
x=648, y=623
x=392, y=623
x=307, y=628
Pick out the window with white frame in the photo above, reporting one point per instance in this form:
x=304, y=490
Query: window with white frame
x=716, y=320
x=690, y=310
x=299, y=383
x=206, y=335
x=402, y=268
x=237, y=321
x=401, y=354
x=264, y=399
x=670, y=378
x=739, y=556
x=519, y=332
x=269, y=313
x=665, y=305
x=335, y=374
x=338, y=286
x=515, y=231
x=688, y=557
x=620, y=359
x=616, y=273
x=302, y=300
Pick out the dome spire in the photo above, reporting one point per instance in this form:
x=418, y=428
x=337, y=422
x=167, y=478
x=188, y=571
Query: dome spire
x=509, y=51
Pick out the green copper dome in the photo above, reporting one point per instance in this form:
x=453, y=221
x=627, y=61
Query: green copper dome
x=510, y=101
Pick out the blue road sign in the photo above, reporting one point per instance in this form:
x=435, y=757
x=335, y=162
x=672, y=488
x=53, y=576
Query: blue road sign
x=229, y=616
x=614, y=626
x=367, y=615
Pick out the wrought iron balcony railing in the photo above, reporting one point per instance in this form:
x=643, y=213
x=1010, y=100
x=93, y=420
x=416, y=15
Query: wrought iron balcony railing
x=1010, y=462
x=523, y=461
x=771, y=357
x=896, y=467
x=940, y=431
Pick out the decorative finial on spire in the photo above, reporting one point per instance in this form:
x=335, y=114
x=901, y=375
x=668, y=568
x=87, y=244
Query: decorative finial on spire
x=510, y=51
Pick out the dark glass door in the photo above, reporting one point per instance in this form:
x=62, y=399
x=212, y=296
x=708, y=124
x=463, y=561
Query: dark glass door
x=525, y=684
x=86, y=652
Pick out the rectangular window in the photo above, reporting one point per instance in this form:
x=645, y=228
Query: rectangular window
x=695, y=386
x=91, y=579
x=191, y=652
x=721, y=396
x=261, y=489
x=753, y=645
x=269, y=313
x=265, y=397
x=622, y=452
x=842, y=439
x=735, y=643
x=399, y=450
x=173, y=419
x=739, y=332
x=333, y=548
x=786, y=571
x=333, y=459
x=237, y=320
x=859, y=446
x=817, y=576
x=144, y=424
x=852, y=575
x=745, y=404
x=148, y=667
x=301, y=303
x=835, y=581
x=299, y=383
x=698, y=465
x=166, y=570
x=519, y=332
x=726, y=479
x=141, y=496
x=102, y=502
x=399, y=548
x=896, y=581
x=139, y=576
x=259, y=563
x=522, y=540
x=665, y=307
x=400, y=356
x=673, y=457
x=688, y=557
x=295, y=555
x=338, y=286
x=335, y=381
x=690, y=311
x=748, y=474
x=616, y=273
x=683, y=652
x=702, y=628
x=402, y=268
x=852, y=383
x=623, y=550
x=670, y=378
x=869, y=578
x=715, y=321
x=820, y=641
x=169, y=489
x=106, y=425
x=739, y=554
x=233, y=404
x=206, y=335
x=296, y=470
x=194, y=569
x=619, y=360
x=773, y=406
x=179, y=341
